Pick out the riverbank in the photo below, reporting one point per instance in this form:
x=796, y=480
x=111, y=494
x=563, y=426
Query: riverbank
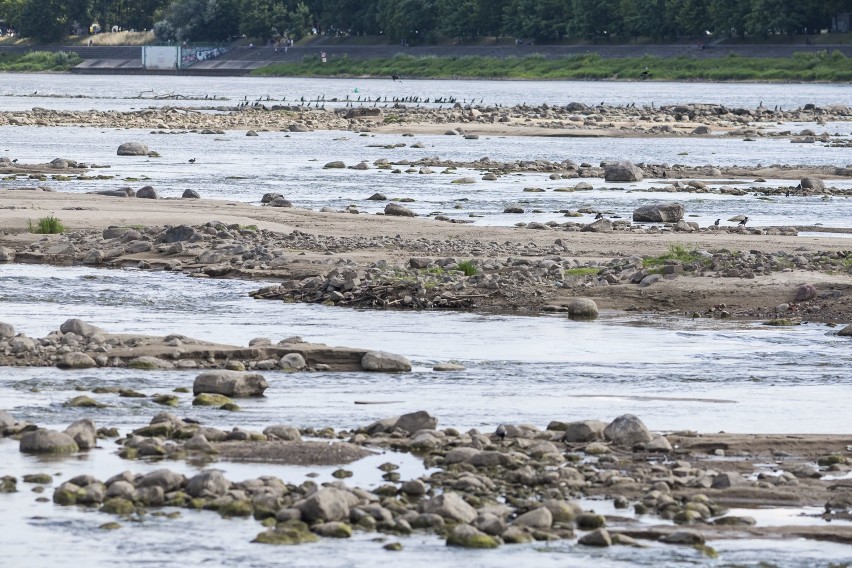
x=821, y=66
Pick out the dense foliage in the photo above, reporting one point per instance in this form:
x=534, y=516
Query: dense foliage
x=420, y=21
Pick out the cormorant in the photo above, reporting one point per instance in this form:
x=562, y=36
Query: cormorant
x=743, y=222
x=192, y=160
x=717, y=222
x=394, y=77
x=599, y=216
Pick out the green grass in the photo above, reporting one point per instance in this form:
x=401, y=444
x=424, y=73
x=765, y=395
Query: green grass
x=677, y=253
x=39, y=61
x=816, y=66
x=467, y=267
x=46, y=226
x=584, y=271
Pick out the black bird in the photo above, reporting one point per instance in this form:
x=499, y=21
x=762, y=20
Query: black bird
x=743, y=222
x=192, y=160
x=501, y=432
x=717, y=222
x=599, y=216
x=787, y=193
x=394, y=77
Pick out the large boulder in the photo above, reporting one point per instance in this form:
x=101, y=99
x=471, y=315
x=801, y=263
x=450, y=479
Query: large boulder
x=450, y=506
x=230, y=383
x=599, y=226
x=582, y=309
x=7, y=331
x=178, y=234
x=327, y=504
x=398, y=210
x=627, y=430
x=208, y=483
x=44, y=441
x=164, y=478
x=6, y=420
x=622, y=171
x=584, y=431
x=76, y=360
x=414, y=421
x=812, y=183
x=84, y=433
x=79, y=327
x=133, y=149
x=385, y=362
x=671, y=212
x=467, y=536
x=147, y=192
x=283, y=432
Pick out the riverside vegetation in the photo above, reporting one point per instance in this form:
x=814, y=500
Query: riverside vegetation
x=821, y=66
x=39, y=61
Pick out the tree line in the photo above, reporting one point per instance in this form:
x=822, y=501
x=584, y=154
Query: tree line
x=427, y=21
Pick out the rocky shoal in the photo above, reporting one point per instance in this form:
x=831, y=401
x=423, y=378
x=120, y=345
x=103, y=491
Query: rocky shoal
x=79, y=345
x=667, y=120
x=518, y=484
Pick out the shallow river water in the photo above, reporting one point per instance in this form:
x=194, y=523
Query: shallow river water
x=673, y=373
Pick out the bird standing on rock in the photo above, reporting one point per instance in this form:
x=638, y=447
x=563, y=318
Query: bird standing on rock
x=717, y=222
x=501, y=432
x=743, y=222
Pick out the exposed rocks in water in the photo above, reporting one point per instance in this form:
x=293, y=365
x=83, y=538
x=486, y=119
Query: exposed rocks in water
x=486, y=490
x=91, y=347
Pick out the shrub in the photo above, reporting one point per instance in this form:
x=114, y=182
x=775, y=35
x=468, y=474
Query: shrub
x=467, y=267
x=49, y=225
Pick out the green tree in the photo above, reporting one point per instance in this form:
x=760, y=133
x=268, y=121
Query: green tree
x=43, y=20
x=414, y=21
x=728, y=17
x=541, y=20
x=594, y=19
x=11, y=12
x=259, y=17
x=459, y=18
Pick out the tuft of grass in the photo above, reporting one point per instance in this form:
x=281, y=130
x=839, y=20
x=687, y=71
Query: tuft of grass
x=467, y=267
x=49, y=225
x=583, y=271
x=249, y=228
x=677, y=253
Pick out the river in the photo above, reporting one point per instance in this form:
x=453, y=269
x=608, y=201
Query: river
x=705, y=375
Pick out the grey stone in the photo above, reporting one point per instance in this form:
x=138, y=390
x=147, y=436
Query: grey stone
x=805, y=292
x=178, y=234
x=397, y=210
x=43, y=441
x=76, y=360
x=684, y=536
x=292, y=362
x=165, y=478
x=584, y=431
x=812, y=183
x=540, y=518
x=208, y=483
x=582, y=309
x=728, y=479
x=230, y=383
x=84, y=433
x=622, y=172
x=7, y=331
x=190, y=194
x=79, y=327
x=133, y=149
x=670, y=212
x=599, y=226
x=450, y=505
x=414, y=421
x=385, y=362
x=6, y=420
x=466, y=536
x=283, y=432
x=147, y=192
x=327, y=504
x=627, y=430
x=598, y=537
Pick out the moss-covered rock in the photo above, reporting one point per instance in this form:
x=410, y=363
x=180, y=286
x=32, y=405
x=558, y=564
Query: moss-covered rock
x=118, y=506
x=84, y=401
x=111, y=526
x=333, y=530
x=236, y=508
x=466, y=536
x=211, y=399
x=166, y=399
x=66, y=494
x=40, y=478
x=289, y=532
x=8, y=484
x=590, y=521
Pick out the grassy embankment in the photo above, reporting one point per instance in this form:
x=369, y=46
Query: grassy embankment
x=39, y=61
x=820, y=66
